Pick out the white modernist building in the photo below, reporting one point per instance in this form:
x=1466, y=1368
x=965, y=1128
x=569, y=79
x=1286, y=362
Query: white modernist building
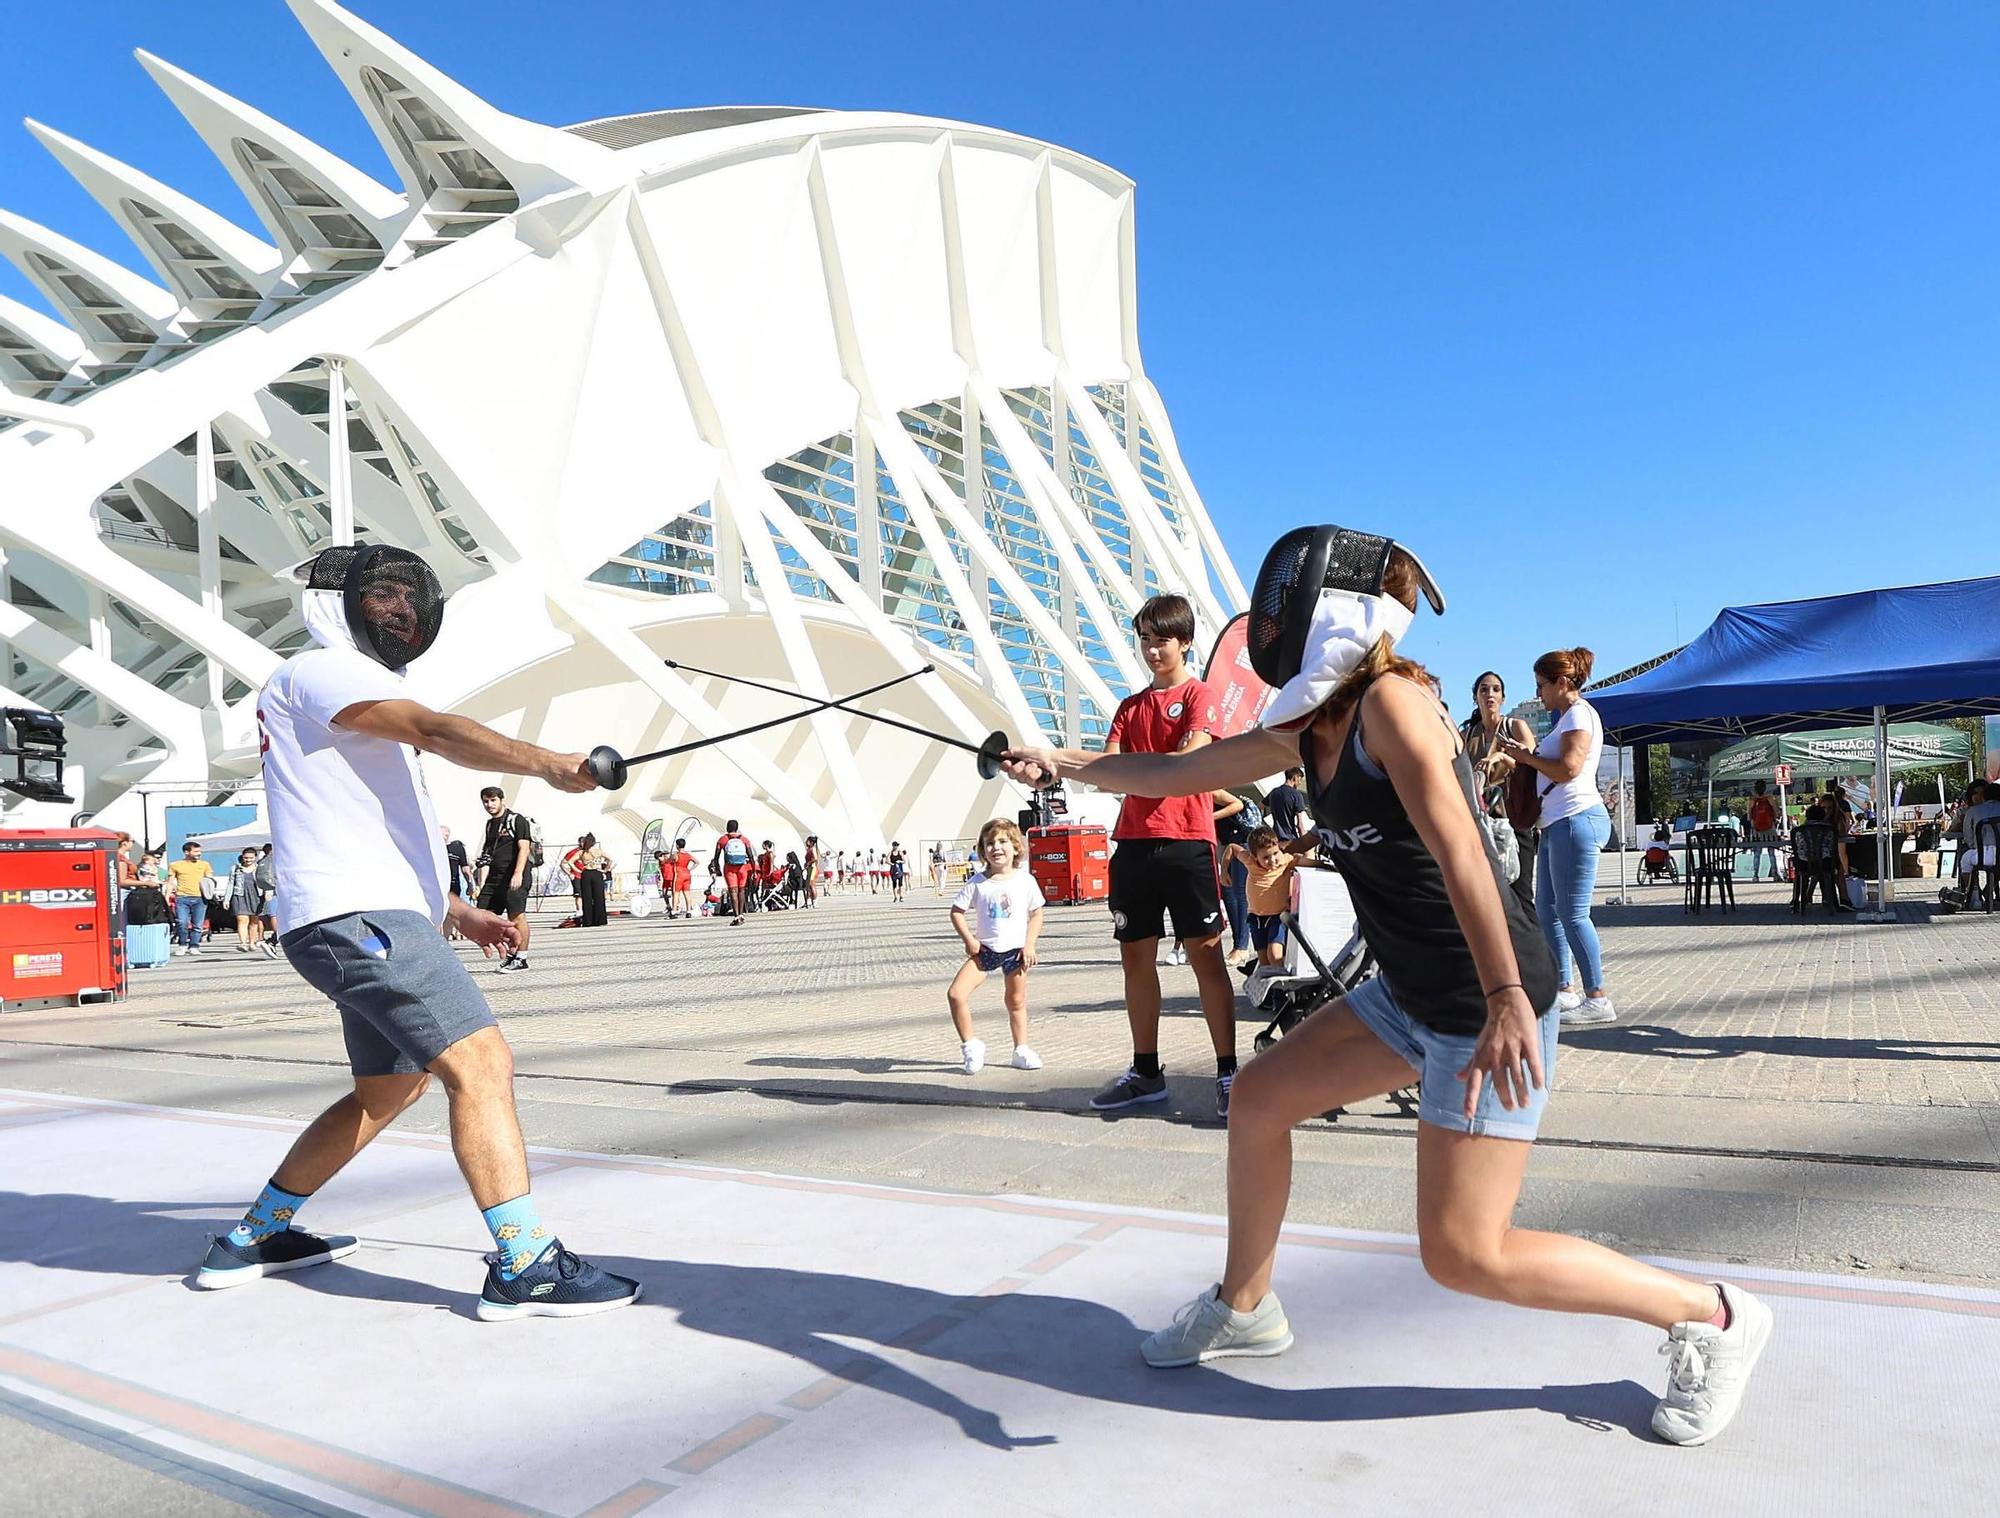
x=817, y=397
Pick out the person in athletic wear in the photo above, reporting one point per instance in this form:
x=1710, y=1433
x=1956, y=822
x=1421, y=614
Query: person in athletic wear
x=812, y=869
x=1465, y=997
x=732, y=854
x=503, y=888
x=679, y=867
x=357, y=845
x=899, y=871
x=1164, y=863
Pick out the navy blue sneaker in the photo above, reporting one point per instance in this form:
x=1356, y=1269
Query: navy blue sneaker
x=558, y=1285
x=231, y=1264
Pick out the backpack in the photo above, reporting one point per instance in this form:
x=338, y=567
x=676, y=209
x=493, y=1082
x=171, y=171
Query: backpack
x=1524, y=798
x=1251, y=817
x=536, y=857
x=1763, y=816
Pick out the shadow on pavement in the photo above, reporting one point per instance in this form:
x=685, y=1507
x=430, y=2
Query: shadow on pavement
x=1671, y=1043
x=1060, y=1344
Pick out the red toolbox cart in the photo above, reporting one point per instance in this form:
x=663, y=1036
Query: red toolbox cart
x=1070, y=862
x=62, y=935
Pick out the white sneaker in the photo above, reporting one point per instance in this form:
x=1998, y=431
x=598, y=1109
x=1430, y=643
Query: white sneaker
x=1592, y=1009
x=1568, y=1001
x=975, y=1055
x=1708, y=1367
x=1208, y=1329
x=1026, y=1058
x=179, y=950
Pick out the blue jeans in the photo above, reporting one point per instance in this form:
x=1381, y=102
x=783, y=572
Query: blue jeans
x=1236, y=902
x=190, y=917
x=1567, y=864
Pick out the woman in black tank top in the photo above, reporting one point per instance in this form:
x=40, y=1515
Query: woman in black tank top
x=1466, y=996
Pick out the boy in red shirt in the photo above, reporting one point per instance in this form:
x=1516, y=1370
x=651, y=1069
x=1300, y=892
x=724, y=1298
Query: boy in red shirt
x=1164, y=863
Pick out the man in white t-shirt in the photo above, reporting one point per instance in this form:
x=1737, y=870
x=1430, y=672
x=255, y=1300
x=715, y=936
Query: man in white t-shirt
x=357, y=845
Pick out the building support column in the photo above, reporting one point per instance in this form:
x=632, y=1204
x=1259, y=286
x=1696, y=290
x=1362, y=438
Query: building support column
x=208, y=547
x=339, y=482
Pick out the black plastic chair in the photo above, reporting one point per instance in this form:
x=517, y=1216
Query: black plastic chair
x=1711, y=870
x=1985, y=877
x=1815, y=864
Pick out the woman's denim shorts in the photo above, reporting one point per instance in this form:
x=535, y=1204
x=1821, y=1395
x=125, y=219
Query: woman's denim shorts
x=1438, y=1057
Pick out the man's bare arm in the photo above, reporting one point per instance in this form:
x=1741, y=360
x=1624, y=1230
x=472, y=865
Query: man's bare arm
x=465, y=742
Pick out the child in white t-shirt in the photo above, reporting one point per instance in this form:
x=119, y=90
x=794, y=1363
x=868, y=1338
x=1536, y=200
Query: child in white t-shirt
x=998, y=916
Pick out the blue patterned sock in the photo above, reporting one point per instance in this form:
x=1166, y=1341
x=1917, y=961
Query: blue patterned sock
x=518, y=1234
x=271, y=1213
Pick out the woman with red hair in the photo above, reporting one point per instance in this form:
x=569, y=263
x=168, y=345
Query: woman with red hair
x=1575, y=827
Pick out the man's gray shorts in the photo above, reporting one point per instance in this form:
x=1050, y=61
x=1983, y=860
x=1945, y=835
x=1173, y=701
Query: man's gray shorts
x=403, y=995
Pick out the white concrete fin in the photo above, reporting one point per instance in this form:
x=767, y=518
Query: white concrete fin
x=298, y=189
x=438, y=133
x=37, y=352
x=181, y=237
x=119, y=314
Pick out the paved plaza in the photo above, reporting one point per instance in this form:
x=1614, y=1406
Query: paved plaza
x=872, y=1280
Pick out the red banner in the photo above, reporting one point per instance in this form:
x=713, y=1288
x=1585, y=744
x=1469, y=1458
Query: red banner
x=1240, y=697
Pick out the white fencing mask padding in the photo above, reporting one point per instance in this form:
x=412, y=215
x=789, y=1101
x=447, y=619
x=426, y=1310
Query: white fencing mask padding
x=1317, y=608
x=1344, y=627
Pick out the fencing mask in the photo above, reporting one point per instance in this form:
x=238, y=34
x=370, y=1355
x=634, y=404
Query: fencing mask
x=391, y=599
x=1317, y=608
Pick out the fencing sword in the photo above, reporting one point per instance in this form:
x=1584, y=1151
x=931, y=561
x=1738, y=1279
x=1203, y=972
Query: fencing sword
x=991, y=750
x=611, y=769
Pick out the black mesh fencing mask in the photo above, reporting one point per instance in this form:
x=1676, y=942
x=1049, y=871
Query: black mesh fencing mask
x=1318, y=601
x=392, y=599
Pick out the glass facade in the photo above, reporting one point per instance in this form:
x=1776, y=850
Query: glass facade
x=864, y=521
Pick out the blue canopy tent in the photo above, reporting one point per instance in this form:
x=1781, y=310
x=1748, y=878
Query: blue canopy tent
x=1913, y=654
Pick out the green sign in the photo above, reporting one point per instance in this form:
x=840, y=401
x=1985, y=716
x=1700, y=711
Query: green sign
x=1839, y=751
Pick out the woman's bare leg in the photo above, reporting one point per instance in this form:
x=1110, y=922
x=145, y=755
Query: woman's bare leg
x=1330, y=1060
x=1466, y=1189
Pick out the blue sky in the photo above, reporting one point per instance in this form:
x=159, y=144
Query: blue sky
x=1617, y=313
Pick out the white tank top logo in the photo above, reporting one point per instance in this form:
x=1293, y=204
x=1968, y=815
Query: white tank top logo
x=1350, y=839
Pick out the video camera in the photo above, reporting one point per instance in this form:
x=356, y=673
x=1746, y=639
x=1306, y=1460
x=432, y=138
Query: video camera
x=37, y=749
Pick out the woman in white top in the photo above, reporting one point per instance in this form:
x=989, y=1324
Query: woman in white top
x=1575, y=827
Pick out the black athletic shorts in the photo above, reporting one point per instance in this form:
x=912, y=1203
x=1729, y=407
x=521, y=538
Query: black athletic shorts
x=496, y=898
x=1155, y=879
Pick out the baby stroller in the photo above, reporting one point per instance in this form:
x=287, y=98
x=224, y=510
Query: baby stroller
x=1291, y=991
x=795, y=882
x=768, y=893
x=1658, y=863
x=1306, y=980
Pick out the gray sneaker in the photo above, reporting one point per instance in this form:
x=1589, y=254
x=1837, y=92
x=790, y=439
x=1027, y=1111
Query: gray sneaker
x=1208, y=1329
x=1129, y=1090
x=1708, y=1367
x=1592, y=1009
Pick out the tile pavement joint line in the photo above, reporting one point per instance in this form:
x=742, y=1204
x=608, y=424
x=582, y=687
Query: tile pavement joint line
x=224, y=1433
x=731, y=1440
x=635, y=1498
